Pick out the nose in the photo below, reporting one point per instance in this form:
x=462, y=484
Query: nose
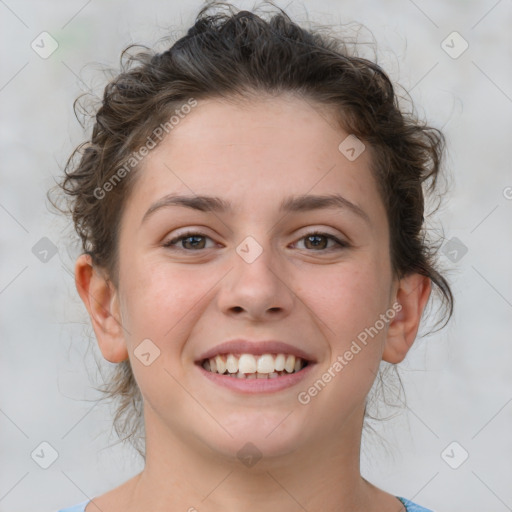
x=257, y=289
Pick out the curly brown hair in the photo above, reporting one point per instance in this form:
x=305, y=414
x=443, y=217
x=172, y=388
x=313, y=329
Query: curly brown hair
x=239, y=54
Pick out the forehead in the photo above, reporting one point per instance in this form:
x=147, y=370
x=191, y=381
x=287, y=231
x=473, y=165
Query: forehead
x=285, y=129
x=255, y=152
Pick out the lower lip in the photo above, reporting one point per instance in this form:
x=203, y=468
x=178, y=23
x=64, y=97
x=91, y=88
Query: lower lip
x=257, y=385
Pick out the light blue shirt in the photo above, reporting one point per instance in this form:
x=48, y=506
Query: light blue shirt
x=409, y=505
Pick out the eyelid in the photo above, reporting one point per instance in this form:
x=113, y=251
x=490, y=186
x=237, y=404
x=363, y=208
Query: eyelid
x=186, y=234
x=340, y=243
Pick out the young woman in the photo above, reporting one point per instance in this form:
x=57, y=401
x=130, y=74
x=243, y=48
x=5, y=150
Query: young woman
x=251, y=209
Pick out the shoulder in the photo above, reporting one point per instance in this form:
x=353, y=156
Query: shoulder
x=114, y=500
x=80, y=507
x=413, y=507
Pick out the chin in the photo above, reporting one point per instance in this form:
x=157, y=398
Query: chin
x=257, y=439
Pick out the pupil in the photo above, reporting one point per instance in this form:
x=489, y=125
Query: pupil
x=315, y=244
x=194, y=240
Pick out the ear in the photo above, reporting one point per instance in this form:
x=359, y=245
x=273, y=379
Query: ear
x=102, y=302
x=412, y=296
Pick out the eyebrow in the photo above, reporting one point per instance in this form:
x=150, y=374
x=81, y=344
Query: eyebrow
x=302, y=203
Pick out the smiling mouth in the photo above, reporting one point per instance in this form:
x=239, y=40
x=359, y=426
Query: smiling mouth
x=248, y=366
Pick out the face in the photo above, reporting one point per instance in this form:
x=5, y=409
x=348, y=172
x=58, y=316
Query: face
x=191, y=279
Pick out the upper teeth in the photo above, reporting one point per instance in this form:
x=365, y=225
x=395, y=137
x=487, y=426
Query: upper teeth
x=248, y=363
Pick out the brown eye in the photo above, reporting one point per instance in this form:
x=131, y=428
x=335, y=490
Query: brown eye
x=190, y=241
x=318, y=241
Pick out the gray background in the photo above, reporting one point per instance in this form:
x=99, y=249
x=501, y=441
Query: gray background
x=458, y=381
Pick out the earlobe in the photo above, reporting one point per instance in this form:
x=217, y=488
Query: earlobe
x=102, y=302
x=412, y=296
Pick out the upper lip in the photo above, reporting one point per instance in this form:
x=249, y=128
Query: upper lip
x=257, y=348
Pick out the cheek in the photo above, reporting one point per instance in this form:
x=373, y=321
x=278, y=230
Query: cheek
x=161, y=300
x=347, y=301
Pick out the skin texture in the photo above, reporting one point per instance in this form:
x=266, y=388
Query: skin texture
x=314, y=297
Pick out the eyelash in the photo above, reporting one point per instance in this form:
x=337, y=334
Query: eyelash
x=188, y=234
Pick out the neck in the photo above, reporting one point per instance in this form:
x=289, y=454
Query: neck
x=184, y=474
